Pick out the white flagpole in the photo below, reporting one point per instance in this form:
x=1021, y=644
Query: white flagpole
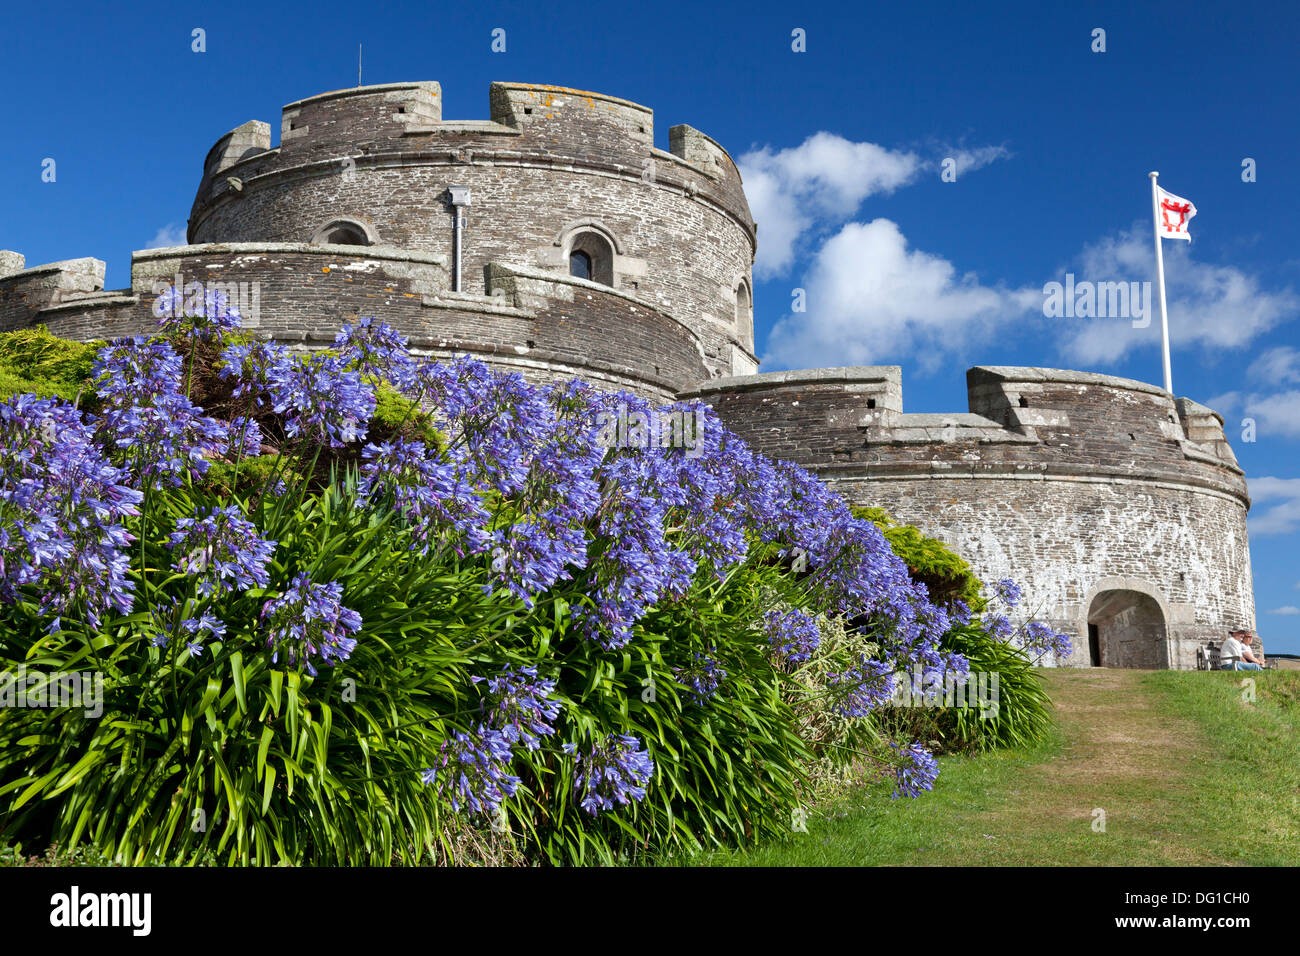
x=1160, y=281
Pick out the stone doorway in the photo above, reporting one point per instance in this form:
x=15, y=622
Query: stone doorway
x=1130, y=630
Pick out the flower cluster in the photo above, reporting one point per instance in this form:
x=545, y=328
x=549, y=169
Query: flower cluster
x=519, y=704
x=792, y=635
x=62, y=508
x=1039, y=639
x=199, y=311
x=251, y=366
x=196, y=627
x=322, y=400
x=222, y=549
x=862, y=688
x=915, y=771
x=612, y=773
x=473, y=770
x=434, y=499
x=376, y=349
x=153, y=428
x=1008, y=592
x=308, y=624
x=703, y=676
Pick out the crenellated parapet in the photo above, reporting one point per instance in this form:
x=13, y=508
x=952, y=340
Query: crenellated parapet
x=1023, y=421
x=544, y=325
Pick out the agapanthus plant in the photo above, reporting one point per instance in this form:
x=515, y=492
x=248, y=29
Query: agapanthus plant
x=198, y=311
x=473, y=770
x=222, y=550
x=520, y=705
x=62, y=512
x=610, y=773
x=309, y=625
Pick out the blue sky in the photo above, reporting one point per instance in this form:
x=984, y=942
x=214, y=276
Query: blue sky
x=842, y=147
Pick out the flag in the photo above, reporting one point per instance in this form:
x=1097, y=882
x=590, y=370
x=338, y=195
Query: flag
x=1175, y=215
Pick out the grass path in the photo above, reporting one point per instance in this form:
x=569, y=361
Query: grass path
x=1185, y=770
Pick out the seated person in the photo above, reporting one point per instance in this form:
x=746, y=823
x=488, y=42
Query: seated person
x=1235, y=655
x=1258, y=656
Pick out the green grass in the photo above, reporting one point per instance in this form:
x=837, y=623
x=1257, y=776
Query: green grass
x=1186, y=771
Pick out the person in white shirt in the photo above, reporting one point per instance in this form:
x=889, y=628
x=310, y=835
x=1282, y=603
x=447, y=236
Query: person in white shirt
x=1235, y=655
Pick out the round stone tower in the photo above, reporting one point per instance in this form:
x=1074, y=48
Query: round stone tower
x=1119, y=509
x=552, y=238
x=558, y=180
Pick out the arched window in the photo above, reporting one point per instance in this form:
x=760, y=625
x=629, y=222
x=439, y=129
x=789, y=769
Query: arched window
x=345, y=232
x=580, y=265
x=592, y=251
x=744, y=313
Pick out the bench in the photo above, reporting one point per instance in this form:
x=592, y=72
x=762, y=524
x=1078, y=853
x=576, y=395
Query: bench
x=1207, y=658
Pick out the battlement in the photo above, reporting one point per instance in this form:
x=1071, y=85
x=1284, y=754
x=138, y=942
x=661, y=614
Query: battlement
x=26, y=291
x=1025, y=421
x=345, y=133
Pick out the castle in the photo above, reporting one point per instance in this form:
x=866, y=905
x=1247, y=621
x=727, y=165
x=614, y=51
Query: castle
x=555, y=240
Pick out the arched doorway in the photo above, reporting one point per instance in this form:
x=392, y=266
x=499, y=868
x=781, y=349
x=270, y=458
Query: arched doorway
x=1127, y=628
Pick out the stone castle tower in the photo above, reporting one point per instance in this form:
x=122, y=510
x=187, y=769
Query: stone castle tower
x=554, y=239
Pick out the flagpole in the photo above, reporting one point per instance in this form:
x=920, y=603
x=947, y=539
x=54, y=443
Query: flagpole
x=1160, y=281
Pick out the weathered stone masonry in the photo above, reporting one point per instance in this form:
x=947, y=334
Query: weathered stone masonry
x=1120, y=509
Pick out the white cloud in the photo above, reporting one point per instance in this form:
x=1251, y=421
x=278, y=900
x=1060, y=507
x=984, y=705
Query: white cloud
x=823, y=181
x=1276, y=413
x=1281, y=498
x=1288, y=609
x=1217, y=307
x=969, y=160
x=172, y=234
x=872, y=299
x=1276, y=366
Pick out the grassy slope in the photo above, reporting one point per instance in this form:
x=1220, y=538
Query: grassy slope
x=1186, y=771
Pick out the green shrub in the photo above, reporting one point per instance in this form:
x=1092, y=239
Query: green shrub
x=32, y=360
x=1023, y=712
x=944, y=572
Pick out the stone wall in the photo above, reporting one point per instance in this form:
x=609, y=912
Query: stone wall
x=1103, y=497
x=546, y=325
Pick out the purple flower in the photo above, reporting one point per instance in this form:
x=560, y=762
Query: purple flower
x=376, y=349
x=915, y=771
x=196, y=627
x=148, y=423
x=1008, y=592
x=862, y=688
x=519, y=704
x=1039, y=638
x=222, y=549
x=322, y=400
x=473, y=770
x=245, y=437
x=62, y=505
x=309, y=624
x=703, y=676
x=251, y=366
x=997, y=626
x=611, y=773
x=792, y=635
x=433, y=498
x=199, y=312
